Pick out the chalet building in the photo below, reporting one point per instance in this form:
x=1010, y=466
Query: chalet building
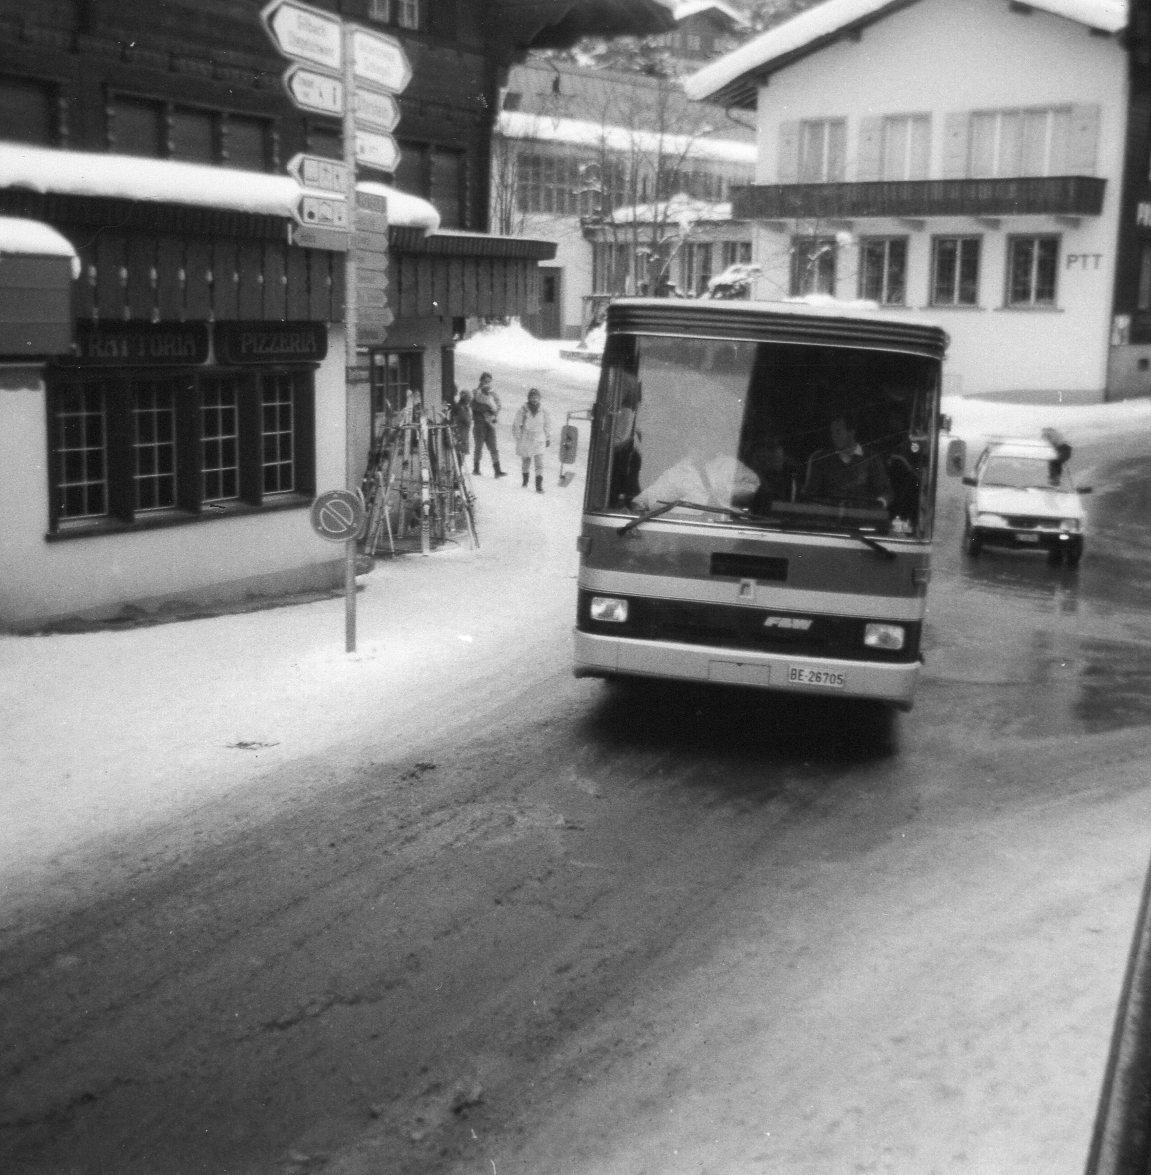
x=986, y=163
x=575, y=143
x=704, y=30
x=176, y=385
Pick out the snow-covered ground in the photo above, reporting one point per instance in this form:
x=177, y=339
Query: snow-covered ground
x=114, y=733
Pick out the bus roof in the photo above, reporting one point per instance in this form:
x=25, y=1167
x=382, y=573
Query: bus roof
x=827, y=323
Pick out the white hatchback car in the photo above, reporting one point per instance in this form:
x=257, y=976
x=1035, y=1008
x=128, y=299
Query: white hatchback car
x=1022, y=496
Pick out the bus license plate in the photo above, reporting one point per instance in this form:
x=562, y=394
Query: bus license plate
x=805, y=675
x=1027, y=538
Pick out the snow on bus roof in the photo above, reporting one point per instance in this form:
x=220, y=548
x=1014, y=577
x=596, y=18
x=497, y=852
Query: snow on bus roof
x=131, y=177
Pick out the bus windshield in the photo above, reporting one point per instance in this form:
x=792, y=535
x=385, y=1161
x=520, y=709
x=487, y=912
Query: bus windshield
x=776, y=434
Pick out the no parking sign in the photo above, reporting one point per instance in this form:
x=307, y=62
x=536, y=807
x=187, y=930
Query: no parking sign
x=339, y=515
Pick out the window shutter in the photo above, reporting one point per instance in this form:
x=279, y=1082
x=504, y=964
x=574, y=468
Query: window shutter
x=868, y=161
x=955, y=130
x=1083, y=141
x=919, y=161
x=788, y=152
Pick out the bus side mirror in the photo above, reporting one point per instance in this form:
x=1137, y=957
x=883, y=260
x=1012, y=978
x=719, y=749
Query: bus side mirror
x=956, y=457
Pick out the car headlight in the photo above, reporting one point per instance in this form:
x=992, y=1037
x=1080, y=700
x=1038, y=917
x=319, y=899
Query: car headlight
x=1069, y=524
x=884, y=636
x=608, y=609
x=991, y=520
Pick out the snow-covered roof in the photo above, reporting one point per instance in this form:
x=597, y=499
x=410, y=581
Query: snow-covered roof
x=680, y=208
x=689, y=8
x=32, y=238
x=131, y=177
x=733, y=78
x=515, y=124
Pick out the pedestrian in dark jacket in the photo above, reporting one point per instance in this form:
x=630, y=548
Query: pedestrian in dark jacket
x=460, y=419
x=485, y=411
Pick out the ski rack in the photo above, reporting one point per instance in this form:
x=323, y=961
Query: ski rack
x=415, y=487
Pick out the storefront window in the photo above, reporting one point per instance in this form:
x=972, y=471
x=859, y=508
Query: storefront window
x=133, y=448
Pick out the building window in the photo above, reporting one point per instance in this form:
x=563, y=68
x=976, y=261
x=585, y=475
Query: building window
x=406, y=14
x=822, y=151
x=396, y=377
x=220, y=441
x=695, y=268
x=1019, y=142
x=154, y=444
x=28, y=111
x=812, y=266
x=128, y=448
x=736, y=253
x=883, y=270
x=80, y=443
x=611, y=267
x=955, y=271
x=1032, y=263
x=906, y=147
x=1144, y=295
x=436, y=174
x=165, y=130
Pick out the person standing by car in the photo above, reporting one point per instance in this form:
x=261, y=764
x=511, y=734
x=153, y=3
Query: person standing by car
x=485, y=411
x=532, y=429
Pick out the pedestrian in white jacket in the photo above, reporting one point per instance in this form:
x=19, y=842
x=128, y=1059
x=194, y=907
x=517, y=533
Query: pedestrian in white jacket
x=532, y=430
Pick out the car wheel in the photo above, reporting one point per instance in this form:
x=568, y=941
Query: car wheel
x=972, y=541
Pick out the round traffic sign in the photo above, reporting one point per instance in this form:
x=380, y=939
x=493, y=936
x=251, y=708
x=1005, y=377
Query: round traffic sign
x=338, y=515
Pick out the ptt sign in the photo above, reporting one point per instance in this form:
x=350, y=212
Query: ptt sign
x=1083, y=261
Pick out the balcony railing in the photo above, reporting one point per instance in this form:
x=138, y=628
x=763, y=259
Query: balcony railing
x=1059, y=195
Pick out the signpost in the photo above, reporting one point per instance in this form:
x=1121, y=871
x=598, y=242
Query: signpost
x=376, y=150
x=380, y=60
x=318, y=92
x=327, y=211
x=353, y=73
x=305, y=33
x=339, y=517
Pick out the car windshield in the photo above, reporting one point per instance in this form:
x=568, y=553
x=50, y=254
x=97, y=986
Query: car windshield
x=1025, y=473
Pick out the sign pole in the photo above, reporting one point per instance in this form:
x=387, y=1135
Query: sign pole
x=350, y=325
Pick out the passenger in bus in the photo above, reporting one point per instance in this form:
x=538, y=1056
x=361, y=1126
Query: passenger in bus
x=779, y=473
x=716, y=479
x=625, y=455
x=846, y=471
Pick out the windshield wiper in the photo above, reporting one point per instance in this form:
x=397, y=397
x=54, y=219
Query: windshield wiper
x=886, y=552
x=664, y=507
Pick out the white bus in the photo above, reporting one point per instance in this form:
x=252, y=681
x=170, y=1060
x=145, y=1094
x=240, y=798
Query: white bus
x=760, y=497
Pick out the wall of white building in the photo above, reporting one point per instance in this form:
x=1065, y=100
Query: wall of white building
x=942, y=56
x=224, y=560
x=573, y=259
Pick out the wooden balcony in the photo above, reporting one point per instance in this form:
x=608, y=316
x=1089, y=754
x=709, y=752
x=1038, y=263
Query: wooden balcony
x=1061, y=195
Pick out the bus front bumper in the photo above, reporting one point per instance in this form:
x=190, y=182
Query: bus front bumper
x=607, y=656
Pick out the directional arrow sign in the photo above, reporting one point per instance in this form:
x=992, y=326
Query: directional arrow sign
x=377, y=150
x=322, y=211
x=374, y=109
x=320, y=173
x=306, y=33
x=318, y=92
x=380, y=60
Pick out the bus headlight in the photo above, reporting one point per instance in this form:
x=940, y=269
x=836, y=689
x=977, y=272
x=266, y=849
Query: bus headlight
x=884, y=636
x=608, y=609
x=1069, y=524
x=990, y=520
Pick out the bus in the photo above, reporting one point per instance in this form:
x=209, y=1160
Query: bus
x=760, y=496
